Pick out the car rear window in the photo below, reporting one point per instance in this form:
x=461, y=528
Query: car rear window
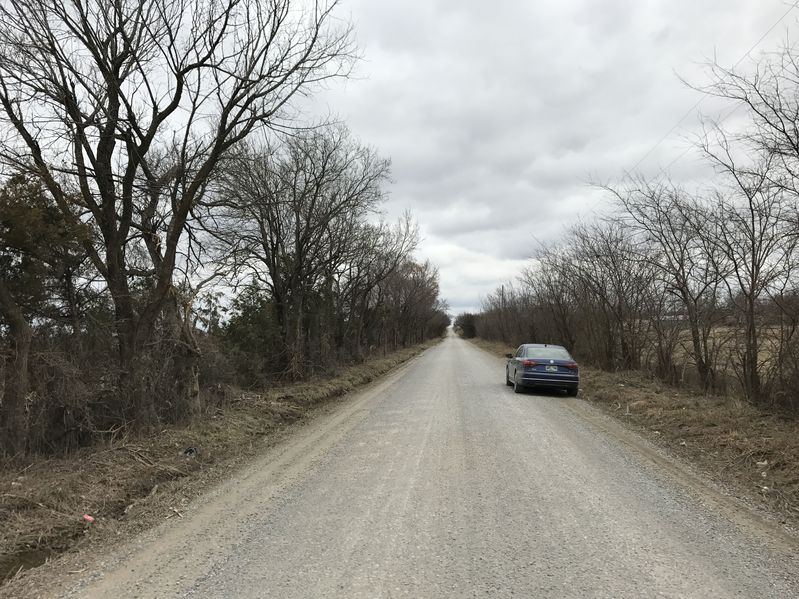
x=547, y=353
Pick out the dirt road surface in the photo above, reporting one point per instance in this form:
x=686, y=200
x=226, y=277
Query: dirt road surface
x=439, y=481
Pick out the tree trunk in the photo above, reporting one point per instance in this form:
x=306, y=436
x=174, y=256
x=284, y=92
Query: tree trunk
x=703, y=367
x=751, y=372
x=160, y=371
x=13, y=413
x=296, y=357
x=136, y=364
x=184, y=374
x=139, y=362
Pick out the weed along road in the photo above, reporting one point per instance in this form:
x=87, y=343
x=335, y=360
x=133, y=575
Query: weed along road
x=439, y=481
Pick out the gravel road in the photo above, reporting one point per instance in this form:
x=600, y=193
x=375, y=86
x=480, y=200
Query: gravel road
x=439, y=481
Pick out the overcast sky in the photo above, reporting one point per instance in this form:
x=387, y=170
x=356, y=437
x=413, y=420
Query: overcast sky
x=497, y=114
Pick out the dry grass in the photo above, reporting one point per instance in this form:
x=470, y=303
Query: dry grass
x=753, y=453
x=748, y=450
x=133, y=483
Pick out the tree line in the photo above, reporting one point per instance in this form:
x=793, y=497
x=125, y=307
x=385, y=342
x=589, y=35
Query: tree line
x=171, y=222
x=699, y=285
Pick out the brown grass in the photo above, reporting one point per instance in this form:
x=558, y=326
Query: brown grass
x=133, y=483
x=752, y=453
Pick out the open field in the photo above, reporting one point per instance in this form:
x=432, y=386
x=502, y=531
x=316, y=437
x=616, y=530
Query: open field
x=750, y=453
x=134, y=483
x=725, y=343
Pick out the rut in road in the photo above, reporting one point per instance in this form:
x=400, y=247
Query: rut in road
x=440, y=482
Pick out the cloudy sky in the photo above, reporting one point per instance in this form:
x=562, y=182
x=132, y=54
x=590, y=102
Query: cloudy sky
x=496, y=115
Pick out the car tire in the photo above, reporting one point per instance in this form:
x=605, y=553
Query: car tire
x=517, y=388
x=507, y=379
x=572, y=392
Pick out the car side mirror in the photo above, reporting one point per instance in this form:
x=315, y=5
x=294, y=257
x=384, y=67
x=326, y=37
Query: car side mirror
x=508, y=355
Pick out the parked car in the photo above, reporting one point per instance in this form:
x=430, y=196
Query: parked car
x=542, y=365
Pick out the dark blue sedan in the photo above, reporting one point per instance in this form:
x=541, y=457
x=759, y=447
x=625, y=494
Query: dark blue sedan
x=542, y=365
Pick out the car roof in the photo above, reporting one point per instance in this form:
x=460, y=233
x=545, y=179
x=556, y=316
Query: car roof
x=542, y=345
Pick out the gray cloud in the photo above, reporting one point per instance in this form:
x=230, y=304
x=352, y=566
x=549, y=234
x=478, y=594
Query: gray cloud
x=496, y=114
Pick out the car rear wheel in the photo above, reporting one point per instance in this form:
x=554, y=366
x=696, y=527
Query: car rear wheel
x=517, y=388
x=572, y=392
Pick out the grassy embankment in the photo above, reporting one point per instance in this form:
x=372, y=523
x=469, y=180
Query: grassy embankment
x=135, y=482
x=751, y=453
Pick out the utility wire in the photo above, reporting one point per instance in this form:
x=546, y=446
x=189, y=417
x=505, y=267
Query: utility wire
x=702, y=99
x=723, y=118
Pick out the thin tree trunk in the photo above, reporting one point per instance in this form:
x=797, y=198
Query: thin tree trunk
x=751, y=370
x=706, y=374
x=13, y=417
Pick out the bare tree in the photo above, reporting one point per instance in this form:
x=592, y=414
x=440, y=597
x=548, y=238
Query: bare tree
x=547, y=282
x=767, y=89
x=294, y=211
x=677, y=236
x=604, y=260
x=757, y=238
x=360, y=283
x=411, y=297
x=757, y=215
x=125, y=109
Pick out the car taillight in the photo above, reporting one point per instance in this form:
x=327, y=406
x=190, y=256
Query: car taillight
x=529, y=363
x=572, y=365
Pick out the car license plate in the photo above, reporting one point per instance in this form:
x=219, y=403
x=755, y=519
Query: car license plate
x=552, y=368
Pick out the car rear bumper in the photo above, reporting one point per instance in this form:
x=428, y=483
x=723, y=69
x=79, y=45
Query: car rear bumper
x=556, y=381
